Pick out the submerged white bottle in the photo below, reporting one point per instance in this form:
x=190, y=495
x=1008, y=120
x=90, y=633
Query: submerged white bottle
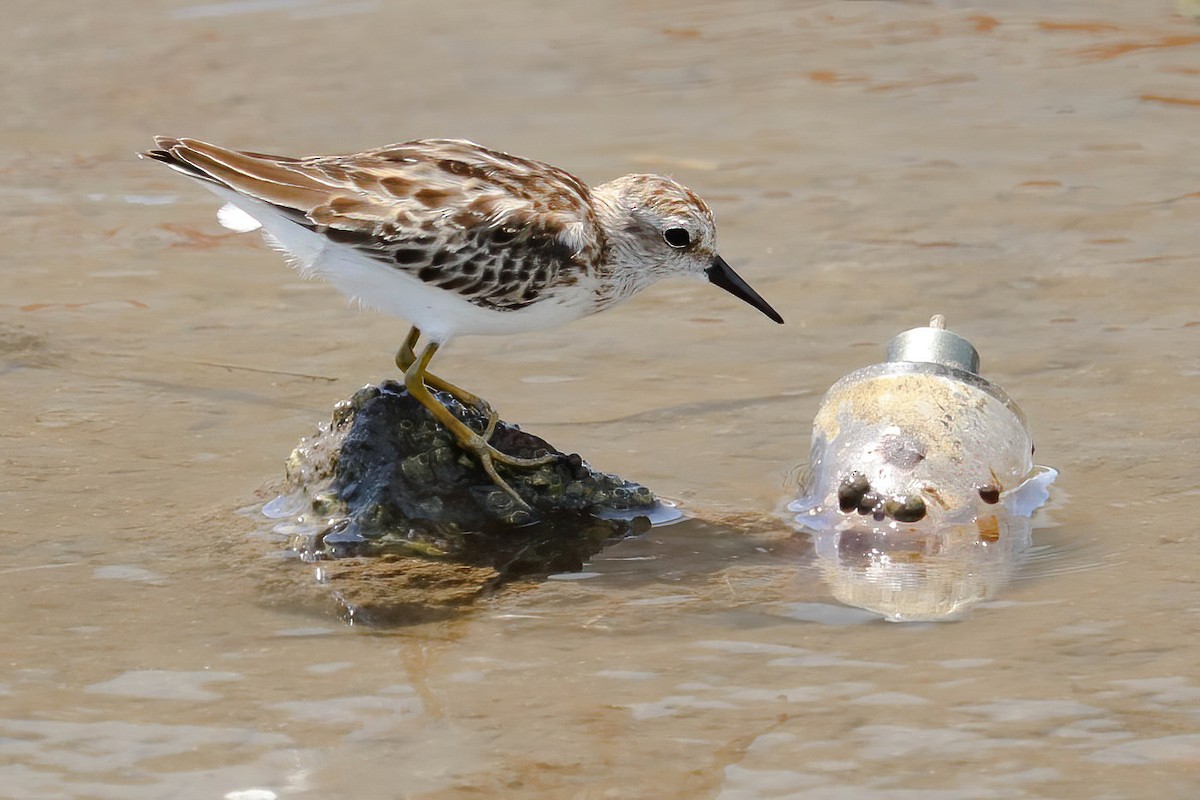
x=921, y=473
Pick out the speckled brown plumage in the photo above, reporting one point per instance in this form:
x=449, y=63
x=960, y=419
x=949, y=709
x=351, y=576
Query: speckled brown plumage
x=458, y=216
x=460, y=227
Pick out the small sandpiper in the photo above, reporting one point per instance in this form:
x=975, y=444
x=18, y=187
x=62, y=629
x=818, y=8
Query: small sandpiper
x=459, y=239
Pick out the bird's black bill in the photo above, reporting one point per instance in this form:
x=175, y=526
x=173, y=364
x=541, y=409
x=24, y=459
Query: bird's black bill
x=721, y=274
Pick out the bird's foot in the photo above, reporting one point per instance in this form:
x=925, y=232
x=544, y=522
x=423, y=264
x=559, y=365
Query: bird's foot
x=406, y=357
x=476, y=403
x=479, y=445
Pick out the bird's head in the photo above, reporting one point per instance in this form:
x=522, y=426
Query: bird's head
x=657, y=228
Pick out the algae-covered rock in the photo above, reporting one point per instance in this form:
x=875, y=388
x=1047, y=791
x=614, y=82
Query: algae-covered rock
x=384, y=480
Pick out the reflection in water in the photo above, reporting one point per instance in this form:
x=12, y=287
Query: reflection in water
x=995, y=159
x=922, y=575
x=921, y=482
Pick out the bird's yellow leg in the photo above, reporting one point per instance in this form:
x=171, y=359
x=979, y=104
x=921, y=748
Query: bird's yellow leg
x=415, y=380
x=406, y=356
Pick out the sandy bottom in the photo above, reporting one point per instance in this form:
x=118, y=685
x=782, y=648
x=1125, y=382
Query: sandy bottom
x=1029, y=173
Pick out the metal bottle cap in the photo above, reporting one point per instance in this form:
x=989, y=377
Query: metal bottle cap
x=936, y=345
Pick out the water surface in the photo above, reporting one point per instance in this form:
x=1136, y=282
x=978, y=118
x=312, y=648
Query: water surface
x=1027, y=171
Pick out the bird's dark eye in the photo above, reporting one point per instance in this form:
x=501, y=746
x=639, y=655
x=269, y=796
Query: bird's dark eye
x=678, y=238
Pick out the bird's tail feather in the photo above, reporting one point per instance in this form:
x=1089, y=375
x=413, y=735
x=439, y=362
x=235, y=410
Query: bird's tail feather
x=267, y=178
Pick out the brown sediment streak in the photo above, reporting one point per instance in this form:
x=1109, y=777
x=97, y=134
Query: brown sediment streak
x=923, y=82
x=79, y=306
x=830, y=77
x=984, y=23
x=1078, y=27
x=1171, y=101
x=192, y=237
x=1106, y=52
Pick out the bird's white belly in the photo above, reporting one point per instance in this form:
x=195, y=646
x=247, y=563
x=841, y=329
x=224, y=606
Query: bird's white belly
x=439, y=313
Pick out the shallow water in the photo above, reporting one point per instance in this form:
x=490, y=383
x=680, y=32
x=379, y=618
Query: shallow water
x=1029, y=173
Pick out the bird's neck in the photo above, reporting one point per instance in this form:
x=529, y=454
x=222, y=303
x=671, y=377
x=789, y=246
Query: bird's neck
x=623, y=267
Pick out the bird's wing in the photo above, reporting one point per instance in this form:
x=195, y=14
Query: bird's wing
x=495, y=228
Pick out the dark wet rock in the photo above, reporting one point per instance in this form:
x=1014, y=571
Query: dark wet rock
x=385, y=499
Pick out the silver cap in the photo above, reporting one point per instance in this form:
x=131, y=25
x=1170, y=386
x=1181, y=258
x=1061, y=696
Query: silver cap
x=934, y=345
